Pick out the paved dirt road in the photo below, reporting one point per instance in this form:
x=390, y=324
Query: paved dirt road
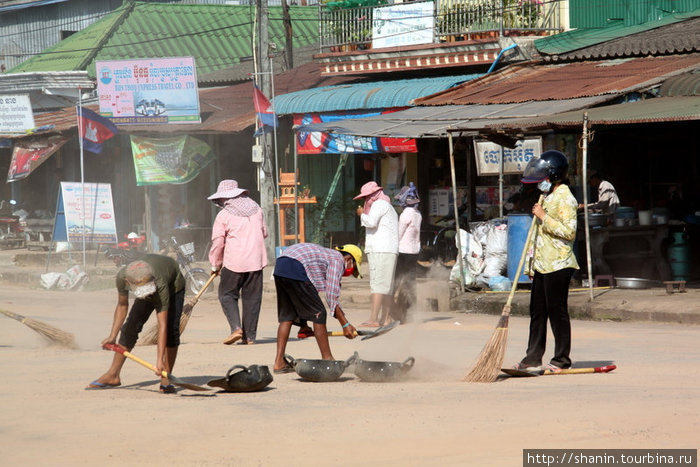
x=433, y=419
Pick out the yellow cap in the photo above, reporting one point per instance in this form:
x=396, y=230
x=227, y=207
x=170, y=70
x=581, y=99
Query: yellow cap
x=356, y=254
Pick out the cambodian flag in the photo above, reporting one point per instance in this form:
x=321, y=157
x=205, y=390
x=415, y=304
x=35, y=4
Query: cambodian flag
x=95, y=129
x=262, y=107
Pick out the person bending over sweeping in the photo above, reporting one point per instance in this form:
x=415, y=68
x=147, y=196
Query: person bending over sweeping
x=553, y=262
x=157, y=284
x=301, y=272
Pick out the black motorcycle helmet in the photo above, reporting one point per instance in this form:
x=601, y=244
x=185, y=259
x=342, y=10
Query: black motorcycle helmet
x=551, y=164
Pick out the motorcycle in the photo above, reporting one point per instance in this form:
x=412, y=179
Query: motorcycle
x=11, y=231
x=184, y=254
x=127, y=251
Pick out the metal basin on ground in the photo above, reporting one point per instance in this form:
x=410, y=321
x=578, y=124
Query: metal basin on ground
x=633, y=283
x=376, y=372
x=320, y=371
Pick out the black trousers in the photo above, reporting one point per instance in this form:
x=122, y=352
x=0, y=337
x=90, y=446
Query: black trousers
x=549, y=301
x=247, y=286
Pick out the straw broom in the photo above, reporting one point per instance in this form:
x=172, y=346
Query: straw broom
x=151, y=336
x=490, y=361
x=54, y=335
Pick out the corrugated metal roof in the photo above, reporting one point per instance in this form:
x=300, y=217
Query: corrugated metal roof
x=13, y=6
x=681, y=37
x=434, y=122
x=527, y=82
x=660, y=109
x=217, y=36
x=599, y=14
x=373, y=95
x=687, y=84
x=570, y=41
x=27, y=82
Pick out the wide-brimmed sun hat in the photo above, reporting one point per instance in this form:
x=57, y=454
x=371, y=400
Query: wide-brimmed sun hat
x=227, y=189
x=367, y=189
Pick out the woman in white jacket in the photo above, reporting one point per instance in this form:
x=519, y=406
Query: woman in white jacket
x=382, y=248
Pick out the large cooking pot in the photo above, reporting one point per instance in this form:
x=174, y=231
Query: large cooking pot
x=595, y=219
x=319, y=370
x=381, y=371
x=240, y=378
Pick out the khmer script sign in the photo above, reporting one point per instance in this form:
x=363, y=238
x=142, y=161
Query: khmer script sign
x=403, y=24
x=148, y=91
x=488, y=156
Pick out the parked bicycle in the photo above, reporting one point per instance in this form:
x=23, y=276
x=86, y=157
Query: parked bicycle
x=195, y=277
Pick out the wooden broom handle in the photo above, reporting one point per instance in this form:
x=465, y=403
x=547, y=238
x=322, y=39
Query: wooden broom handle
x=522, y=257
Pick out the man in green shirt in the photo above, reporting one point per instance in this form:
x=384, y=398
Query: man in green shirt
x=157, y=284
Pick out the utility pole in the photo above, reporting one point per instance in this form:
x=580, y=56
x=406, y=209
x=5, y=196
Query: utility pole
x=263, y=77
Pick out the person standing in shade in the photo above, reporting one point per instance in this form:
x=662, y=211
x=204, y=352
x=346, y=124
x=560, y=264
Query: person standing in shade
x=553, y=262
x=157, y=284
x=409, y=247
x=238, y=255
x=608, y=201
x=382, y=247
x=301, y=272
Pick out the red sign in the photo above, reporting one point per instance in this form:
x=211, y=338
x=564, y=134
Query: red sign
x=27, y=156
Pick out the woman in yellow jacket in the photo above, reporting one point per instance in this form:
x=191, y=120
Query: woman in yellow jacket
x=553, y=261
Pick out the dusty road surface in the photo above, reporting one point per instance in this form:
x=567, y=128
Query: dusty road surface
x=432, y=419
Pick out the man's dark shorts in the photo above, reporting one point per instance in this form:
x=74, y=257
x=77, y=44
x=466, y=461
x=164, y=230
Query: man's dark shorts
x=298, y=300
x=140, y=312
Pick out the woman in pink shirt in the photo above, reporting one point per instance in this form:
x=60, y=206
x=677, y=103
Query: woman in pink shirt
x=238, y=254
x=409, y=247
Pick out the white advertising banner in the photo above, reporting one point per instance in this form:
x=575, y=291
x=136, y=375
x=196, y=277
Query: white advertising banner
x=148, y=91
x=15, y=114
x=403, y=24
x=91, y=209
x=488, y=156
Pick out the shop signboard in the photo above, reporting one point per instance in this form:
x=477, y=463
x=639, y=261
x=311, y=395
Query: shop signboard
x=148, y=91
x=30, y=154
x=316, y=142
x=85, y=210
x=403, y=24
x=488, y=156
x=15, y=114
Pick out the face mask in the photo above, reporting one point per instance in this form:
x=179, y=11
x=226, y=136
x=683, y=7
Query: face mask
x=143, y=291
x=349, y=271
x=545, y=186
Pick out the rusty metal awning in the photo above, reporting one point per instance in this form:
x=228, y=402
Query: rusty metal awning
x=437, y=121
x=656, y=110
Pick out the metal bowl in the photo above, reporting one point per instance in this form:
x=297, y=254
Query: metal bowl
x=632, y=283
x=381, y=371
x=319, y=371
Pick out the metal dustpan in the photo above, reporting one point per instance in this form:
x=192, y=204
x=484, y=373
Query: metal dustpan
x=381, y=330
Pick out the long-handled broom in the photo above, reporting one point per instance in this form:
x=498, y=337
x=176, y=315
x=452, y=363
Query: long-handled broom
x=54, y=335
x=490, y=361
x=150, y=337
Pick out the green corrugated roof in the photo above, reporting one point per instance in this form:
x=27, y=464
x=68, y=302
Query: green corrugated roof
x=373, y=95
x=580, y=38
x=217, y=36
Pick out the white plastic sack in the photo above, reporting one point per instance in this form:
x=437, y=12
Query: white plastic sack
x=49, y=279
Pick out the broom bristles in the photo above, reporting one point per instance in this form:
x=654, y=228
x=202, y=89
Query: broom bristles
x=54, y=335
x=150, y=337
x=490, y=360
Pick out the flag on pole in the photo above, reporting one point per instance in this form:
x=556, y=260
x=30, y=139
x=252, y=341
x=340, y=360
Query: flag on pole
x=266, y=117
x=95, y=129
